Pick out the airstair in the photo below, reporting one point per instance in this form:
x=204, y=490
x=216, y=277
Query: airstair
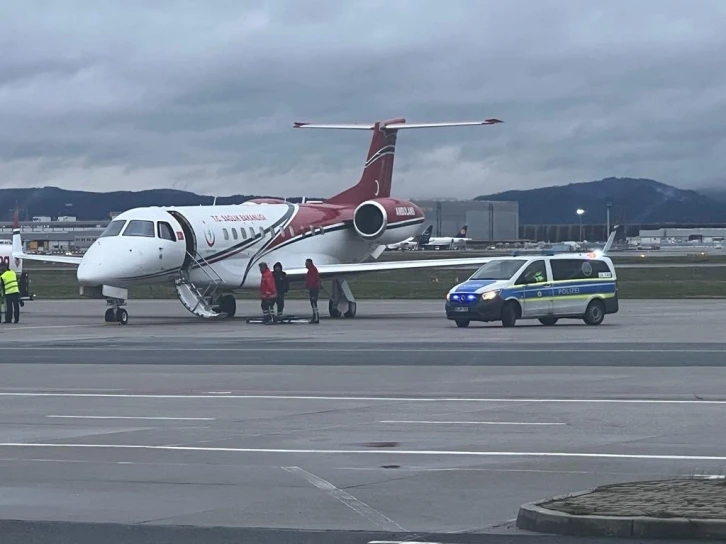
x=193, y=298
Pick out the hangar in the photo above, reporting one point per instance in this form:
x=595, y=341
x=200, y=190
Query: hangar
x=487, y=220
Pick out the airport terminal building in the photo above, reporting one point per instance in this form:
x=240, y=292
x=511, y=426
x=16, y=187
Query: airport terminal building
x=487, y=220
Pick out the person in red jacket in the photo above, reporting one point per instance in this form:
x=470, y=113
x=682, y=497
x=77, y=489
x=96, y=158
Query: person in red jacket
x=268, y=293
x=312, y=284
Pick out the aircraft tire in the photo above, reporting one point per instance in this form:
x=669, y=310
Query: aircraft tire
x=110, y=316
x=548, y=321
x=122, y=316
x=228, y=305
x=333, y=309
x=352, y=308
x=463, y=323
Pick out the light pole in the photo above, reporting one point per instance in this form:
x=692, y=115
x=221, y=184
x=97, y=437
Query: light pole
x=607, y=232
x=580, y=211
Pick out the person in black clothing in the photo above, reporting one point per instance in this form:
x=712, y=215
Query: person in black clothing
x=282, y=285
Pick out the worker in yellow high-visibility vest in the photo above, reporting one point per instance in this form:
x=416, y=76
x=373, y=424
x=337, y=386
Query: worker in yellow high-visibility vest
x=11, y=289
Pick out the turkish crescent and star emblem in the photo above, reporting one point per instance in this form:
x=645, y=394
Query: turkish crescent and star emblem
x=208, y=234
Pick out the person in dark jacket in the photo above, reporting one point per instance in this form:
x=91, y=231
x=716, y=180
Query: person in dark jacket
x=268, y=293
x=282, y=285
x=312, y=284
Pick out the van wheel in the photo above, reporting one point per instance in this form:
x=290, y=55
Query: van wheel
x=462, y=323
x=548, y=321
x=510, y=313
x=595, y=313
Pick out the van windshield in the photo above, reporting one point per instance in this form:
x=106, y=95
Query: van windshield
x=502, y=269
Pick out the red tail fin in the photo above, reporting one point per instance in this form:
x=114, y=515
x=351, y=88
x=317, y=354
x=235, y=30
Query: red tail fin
x=375, y=182
x=378, y=170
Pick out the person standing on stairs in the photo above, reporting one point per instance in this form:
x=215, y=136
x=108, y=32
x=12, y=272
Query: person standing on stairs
x=282, y=285
x=268, y=293
x=312, y=284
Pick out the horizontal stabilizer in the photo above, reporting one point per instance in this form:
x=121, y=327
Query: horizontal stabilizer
x=396, y=124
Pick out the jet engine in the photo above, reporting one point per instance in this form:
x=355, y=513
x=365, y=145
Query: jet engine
x=387, y=220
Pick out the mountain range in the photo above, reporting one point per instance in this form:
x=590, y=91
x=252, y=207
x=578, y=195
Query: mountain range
x=643, y=201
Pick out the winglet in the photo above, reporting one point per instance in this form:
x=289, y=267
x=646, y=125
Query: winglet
x=610, y=241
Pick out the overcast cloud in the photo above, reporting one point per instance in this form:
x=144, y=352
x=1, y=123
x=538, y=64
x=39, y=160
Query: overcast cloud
x=102, y=95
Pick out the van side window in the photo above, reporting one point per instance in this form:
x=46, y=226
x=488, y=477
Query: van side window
x=166, y=232
x=578, y=269
x=536, y=272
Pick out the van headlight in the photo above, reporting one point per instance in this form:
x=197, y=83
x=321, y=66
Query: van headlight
x=489, y=295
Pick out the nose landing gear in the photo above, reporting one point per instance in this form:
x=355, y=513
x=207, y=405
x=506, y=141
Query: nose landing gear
x=116, y=314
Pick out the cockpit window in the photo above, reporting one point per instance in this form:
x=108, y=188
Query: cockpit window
x=113, y=228
x=166, y=232
x=140, y=228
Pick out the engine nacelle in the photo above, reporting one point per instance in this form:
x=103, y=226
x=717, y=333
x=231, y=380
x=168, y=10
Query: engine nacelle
x=387, y=220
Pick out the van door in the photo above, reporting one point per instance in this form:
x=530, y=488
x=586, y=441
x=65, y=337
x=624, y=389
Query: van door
x=537, y=286
x=576, y=281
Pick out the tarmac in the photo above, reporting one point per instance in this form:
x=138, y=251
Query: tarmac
x=394, y=425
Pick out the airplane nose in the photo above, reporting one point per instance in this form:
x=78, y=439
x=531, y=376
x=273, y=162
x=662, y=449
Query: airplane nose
x=90, y=270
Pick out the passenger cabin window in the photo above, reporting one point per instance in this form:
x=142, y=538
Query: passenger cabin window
x=114, y=228
x=579, y=269
x=234, y=233
x=243, y=232
x=536, y=272
x=166, y=232
x=226, y=234
x=140, y=228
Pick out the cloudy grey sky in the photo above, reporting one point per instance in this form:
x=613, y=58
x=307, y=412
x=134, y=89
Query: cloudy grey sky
x=102, y=95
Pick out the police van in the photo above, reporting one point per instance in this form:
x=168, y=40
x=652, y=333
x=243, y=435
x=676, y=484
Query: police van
x=547, y=288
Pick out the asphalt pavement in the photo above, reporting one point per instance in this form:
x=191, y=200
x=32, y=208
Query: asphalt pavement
x=395, y=425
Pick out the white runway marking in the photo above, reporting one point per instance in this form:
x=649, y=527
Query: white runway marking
x=471, y=423
x=358, y=350
x=386, y=451
x=363, y=398
x=28, y=327
x=137, y=417
x=372, y=515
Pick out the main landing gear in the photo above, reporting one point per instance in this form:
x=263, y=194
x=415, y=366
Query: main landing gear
x=227, y=305
x=341, y=296
x=116, y=314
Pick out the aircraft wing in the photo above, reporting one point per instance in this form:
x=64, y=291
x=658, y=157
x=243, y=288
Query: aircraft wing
x=62, y=259
x=335, y=270
x=669, y=265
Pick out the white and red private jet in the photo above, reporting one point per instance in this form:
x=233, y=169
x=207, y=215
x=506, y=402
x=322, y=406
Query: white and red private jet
x=208, y=252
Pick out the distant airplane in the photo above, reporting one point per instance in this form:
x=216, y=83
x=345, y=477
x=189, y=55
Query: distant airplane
x=415, y=242
x=208, y=252
x=449, y=242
